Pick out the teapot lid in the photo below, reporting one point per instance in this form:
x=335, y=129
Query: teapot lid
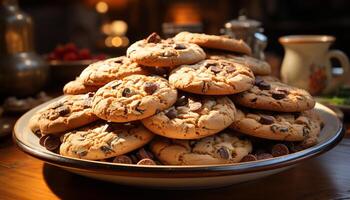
x=243, y=22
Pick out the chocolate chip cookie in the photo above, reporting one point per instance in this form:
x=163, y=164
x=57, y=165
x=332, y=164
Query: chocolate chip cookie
x=277, y=126
x=72, y=111
x=77, y=87
x=103, y=72
x=270, y=94
x=222, y=148
x=133, y=98
x=259, y=67
x=212, y=77
x=103, y=140
x=222, y=42
x=193, y=117
x=156, y=52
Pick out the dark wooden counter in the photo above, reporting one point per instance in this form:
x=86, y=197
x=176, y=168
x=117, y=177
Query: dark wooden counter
x=324, y=177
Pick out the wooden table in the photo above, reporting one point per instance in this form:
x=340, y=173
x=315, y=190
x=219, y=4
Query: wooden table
x=324, y=177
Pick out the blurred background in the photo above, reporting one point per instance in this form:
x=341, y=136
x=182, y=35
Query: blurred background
x=97, y=29
x=89, y=23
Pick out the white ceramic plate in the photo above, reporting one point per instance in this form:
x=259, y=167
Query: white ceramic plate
x=187, y=177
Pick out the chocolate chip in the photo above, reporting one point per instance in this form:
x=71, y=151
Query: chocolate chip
x=90, y=94
x=146, y=161
x=262, y=85
x=266, y=119
x=63, y=110
x=263, y=156
x=283, y=129
x=122, y=159
x=254, y=100
x=207, y=65
x=230, y=69
x=195, y=106
x=81, y=153
x=258, y=80
x=150, y=88
x=106, y=149
x=142, y=154
x=171, y=113
x=278, y=95
x=181, y=101
x=215, y=69
x=42, y=139
x=223, y=153
x=52, y=142
x=179, y=46
x=119, y=61
x=306, y=131
x=126, y=92
x=153, y=38
x=279, y=150
x=274, y=128
x=249, y=158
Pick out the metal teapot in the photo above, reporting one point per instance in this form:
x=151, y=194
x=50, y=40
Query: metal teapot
x=22, y=71
x=250, y=31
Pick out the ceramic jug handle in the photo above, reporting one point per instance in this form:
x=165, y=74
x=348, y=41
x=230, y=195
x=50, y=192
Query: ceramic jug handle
x=344, y=63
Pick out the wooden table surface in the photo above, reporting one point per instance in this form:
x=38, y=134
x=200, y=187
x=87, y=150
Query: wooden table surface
x=324, y=177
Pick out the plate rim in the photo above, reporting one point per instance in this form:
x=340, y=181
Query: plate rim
x=166, y=171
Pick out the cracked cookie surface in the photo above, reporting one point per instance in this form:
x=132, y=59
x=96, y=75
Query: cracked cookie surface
x=270, y=94
x=297, y=126
x=103, y=72
x=259, y=67
x=214, y=41
x=156, y=52
x=72, y=111
x=77, y=87
x=133, y=98
x=103, y=140
x=222, y=148
x=212, y=77
x=193, y=117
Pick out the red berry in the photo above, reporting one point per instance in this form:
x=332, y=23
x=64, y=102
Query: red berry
x=84, y=54
x=70, y=47
x=99, y=57
x=70, y=56
x=59, y=51
x=52, y=56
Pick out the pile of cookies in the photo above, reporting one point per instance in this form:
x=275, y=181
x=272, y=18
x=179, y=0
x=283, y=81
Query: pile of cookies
x=194, y=99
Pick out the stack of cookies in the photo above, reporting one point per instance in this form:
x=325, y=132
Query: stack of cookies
x=194, y=99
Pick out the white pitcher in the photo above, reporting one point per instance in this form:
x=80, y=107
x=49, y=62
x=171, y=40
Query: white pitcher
x=307, y=65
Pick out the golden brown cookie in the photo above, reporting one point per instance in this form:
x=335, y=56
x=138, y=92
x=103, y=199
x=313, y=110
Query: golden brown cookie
x=103, y=140
x=214, y=42
x=212, y=77
x=193, y=117
x=133, y=98
x=222, y=148
x=156, y=52
x=268, y=93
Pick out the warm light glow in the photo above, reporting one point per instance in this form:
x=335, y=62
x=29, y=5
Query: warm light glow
x=117, y=41
x=108, y=41
x=106, y=29
x=119, y=27
x=125, y=41
x=101, y=7
x=183, y=13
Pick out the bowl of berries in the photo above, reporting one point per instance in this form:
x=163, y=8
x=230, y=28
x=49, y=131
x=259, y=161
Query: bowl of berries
x=67, y=61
